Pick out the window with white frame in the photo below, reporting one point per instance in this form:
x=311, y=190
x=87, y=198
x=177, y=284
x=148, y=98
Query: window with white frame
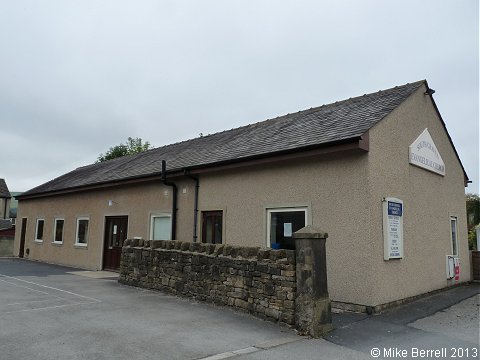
x=39, y=230
x=160, y=227
x=453, y=235
x=81, y=237
x=58, y=231
x=282, y=223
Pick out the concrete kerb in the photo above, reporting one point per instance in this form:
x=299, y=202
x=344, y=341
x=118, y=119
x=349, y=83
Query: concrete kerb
x=252, y=349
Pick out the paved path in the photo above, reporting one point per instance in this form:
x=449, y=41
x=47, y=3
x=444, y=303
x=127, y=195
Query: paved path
x=399, y=328
x=459, y=321
x=47, y=313
x=454, y=329
x=53, y=312
x=448, y=320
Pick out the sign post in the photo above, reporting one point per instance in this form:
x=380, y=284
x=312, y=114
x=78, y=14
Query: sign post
x=393, y=228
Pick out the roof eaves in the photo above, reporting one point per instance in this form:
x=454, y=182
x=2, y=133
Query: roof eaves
x=101, y=184
x=181, y=171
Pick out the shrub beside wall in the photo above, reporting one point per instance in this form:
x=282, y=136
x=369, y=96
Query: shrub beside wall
x=259, y=281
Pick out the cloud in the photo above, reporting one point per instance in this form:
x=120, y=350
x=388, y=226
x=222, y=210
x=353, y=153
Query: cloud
x=79, y=77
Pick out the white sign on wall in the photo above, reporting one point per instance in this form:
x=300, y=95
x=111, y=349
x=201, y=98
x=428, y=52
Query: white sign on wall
x=392, y=228
x=424, y=153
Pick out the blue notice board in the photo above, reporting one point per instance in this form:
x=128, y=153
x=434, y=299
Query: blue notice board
x=392, y=228
x=395, y=208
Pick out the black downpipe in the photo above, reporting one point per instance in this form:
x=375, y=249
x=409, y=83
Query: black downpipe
x=5, y=213
x=195, y=210
x=174, y=200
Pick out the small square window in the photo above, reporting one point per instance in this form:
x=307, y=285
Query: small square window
x=58, y=234
x=82, y=232
x=39, y=230
x=160, y=227
x=282, y=223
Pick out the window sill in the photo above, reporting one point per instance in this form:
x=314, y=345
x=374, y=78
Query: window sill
x=81, y=246
x=57, y=243
x=39, y=242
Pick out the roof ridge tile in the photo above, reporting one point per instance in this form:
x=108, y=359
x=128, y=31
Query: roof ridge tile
x=314, y=126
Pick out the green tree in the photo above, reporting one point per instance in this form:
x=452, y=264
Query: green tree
x=473, y=218
x=132, y=146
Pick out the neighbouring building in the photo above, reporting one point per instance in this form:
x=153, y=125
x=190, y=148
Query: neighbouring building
x=7, y=227
x=13, y=207
x=5, y=198
x=378, y=172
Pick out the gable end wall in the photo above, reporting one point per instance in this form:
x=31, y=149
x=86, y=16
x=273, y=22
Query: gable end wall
x=429, y=201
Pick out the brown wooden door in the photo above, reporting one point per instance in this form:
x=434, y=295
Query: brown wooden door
x=21, y=251
x=115, y=235
x=212, y=227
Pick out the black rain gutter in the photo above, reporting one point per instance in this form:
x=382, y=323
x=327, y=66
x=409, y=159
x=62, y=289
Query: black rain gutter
x=174, y=200
x=195, y=210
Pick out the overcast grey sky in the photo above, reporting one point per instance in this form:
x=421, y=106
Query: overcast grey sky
x=80, y=76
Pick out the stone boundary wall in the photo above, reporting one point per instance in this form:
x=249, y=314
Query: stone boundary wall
x=6, y=245
x=476, y=265
x=259, y=281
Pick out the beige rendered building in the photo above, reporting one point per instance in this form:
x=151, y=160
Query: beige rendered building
x=378, y=172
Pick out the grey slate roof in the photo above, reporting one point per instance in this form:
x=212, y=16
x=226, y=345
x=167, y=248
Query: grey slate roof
x=4, y=193
x=320, y=126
